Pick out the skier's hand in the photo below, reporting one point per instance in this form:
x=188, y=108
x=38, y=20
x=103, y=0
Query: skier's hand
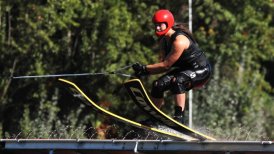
x=140, y=70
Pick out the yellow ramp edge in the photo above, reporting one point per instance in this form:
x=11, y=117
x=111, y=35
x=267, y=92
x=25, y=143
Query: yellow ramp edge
x=179, y=136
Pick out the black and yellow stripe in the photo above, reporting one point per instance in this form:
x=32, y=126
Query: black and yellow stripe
x=76, y=90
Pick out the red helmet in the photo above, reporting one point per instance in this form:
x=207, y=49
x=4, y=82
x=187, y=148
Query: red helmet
x=165, y=16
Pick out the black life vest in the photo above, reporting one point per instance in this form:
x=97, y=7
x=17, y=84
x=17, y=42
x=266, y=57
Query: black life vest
x=192, y=58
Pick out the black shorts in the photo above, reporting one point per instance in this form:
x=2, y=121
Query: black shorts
x=179, y=81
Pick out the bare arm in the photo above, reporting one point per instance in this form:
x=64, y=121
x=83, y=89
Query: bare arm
x=179, y=45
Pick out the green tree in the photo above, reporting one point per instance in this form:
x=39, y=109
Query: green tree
x=238, y=37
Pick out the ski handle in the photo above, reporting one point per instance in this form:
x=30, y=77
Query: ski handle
x=116, y=72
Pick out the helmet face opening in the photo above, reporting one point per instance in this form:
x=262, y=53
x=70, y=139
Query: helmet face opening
x=163, y=16
x=160, y=27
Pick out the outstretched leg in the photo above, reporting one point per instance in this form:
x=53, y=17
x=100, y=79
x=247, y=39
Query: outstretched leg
x=179, y=107
x=180, y=84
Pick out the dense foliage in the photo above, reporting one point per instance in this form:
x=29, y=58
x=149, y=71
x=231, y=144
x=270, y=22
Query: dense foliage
x=72, y=36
